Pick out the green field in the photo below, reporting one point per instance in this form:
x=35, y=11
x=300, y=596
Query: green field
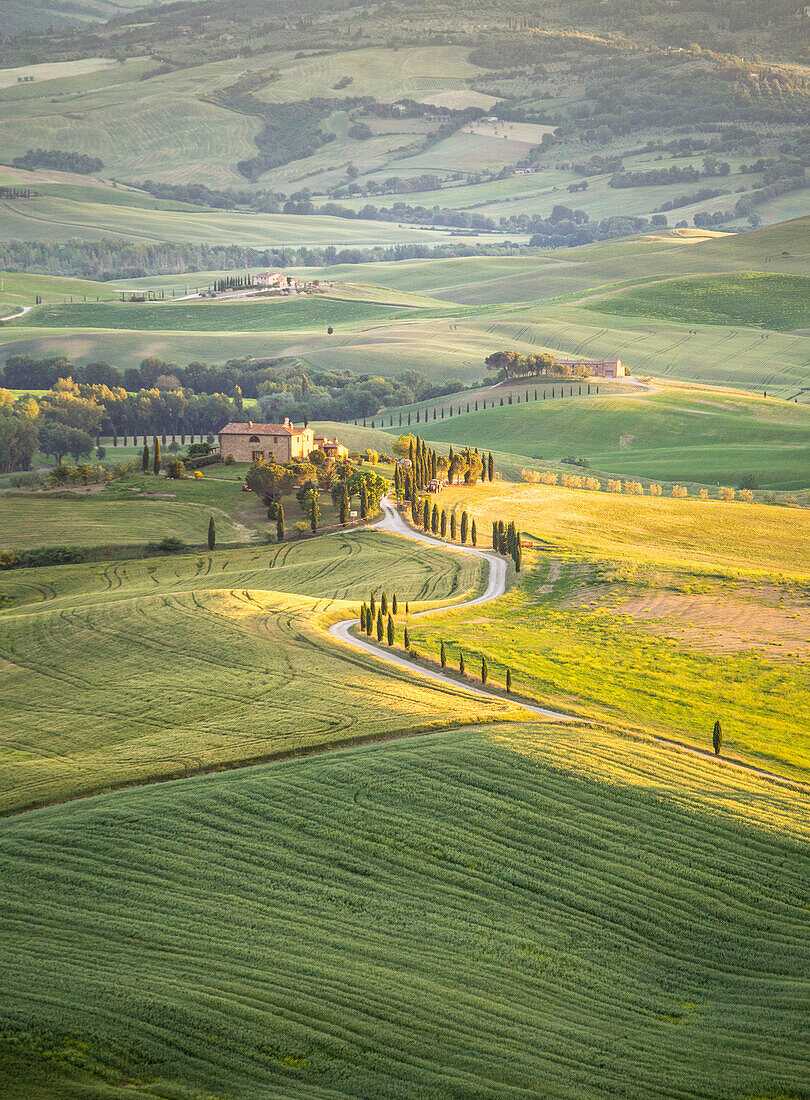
x=532, y=911
x=779, y=302
x=656, y=614
x=213, y=317
x=126, y=671
x=676, y=433
x=69, y=519
x=18, y=289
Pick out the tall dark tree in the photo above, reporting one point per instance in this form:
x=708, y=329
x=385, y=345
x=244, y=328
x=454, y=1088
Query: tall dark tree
x=443, y=524
x=717, y=737
x=145, y=459
x=390, y=630
x=517, y=556
x=461, y=665
x=344, y=506
x=280, y=523
x=363, y=617
x=434, y=519
x=369, y=622
x=156, y=451
x=212, y=533
x=490, y=467
x=394, y=605
x=509, y=679
x=379, y=626
x=474, y=534
x=384, y=603
x=373, y=605
x=465, y=521
x=484, y=670
x=496, y=542
x=363, y=500
x=453, y=526
x=426, y=515
x=406, y=640
x=443, y=655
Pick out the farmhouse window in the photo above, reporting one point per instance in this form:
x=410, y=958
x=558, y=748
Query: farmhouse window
x=254, y=439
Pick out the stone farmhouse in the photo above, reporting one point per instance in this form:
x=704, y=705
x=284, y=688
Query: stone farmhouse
x=276, y=280
x=282, y=442
x=599, y=368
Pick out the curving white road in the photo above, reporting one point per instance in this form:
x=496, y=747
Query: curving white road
x=394, y=524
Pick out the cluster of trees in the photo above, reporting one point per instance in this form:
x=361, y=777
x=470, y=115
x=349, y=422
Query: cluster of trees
x=70, y=417
x=120, y=258
x=506, y=540
x=511, y=364
x=60, y=160
x=391, y=185
x=218, y=198
x=651, y=177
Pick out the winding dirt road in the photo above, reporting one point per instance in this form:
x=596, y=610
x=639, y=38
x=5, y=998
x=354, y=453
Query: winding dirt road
x=394, y=524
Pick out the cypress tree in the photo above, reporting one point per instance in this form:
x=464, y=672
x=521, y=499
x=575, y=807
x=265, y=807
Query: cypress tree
x=369, y=622
x=490, y=467
x=484, y=670
x=373, y=605
x=384, y=604
x=509, y=680
x=394, y=606
x=443, y=655
x=414, y=510
x=344, y=506
x=453, y=526
x=426, y=515
x=145, y=459
x=434, y=519
x=379, y=626
x=390, y=630
x=407, y=639
x=717, y=737
x=464, y=526
x=517, y=555
x=212, y=533
x=474, y=534
x=280, y=523
x=444, y=523
x=407, y=608
x=156, y=463
x=495, y=539
x=363, y=500
x=461, y=666
x=363, y=617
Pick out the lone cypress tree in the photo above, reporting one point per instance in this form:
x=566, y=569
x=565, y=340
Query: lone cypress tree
x=443, y=655
x=390, y=630
x=280, y=523
x=461, y=666
x=344, y=506
x=212, y=533
x=156, y=449
x=484, y=670
x=508, y=679
x=407, y=639
x=145, y=459
x=379, y=626
x=465, y=520
x=384, y=603
x=407, y=607
x=474, y=534
x=717, y=737
x=394, y=606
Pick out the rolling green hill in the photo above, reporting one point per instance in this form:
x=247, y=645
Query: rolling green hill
x=523, y=911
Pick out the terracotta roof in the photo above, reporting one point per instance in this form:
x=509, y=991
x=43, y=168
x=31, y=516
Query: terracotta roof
x=260, y=429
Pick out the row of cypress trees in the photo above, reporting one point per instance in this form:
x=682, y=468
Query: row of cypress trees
x=156, y=457
x=506, y=540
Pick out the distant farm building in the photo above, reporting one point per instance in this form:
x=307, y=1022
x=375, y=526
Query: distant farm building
x=330, y=447
x=276, y=280
x=282, y=442
x=599, y=368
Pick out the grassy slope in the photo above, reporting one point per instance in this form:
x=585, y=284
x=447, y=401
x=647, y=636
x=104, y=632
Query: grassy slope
x=675, y=434
x=127, y=671
x=469, y=915
x=780, y=302
x=568, y=639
